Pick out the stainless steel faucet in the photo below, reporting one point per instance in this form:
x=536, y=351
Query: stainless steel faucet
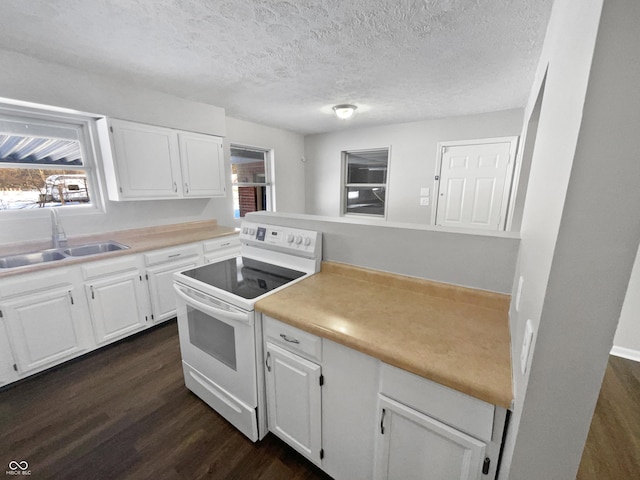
x=58, y=237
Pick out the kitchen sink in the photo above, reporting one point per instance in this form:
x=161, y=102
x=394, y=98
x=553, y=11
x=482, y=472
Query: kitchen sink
x=94, y=248
x=11, y=261
x=55, y=254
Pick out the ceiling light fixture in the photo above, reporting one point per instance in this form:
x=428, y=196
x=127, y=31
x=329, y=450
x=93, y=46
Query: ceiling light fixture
x=344, y=111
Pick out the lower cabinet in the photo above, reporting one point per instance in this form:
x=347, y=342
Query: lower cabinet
x=358, y=418
x=161, y=265
x=414, y=446
x=44, y=328
x=48, y=317
x=294, y=400
x=117, y=298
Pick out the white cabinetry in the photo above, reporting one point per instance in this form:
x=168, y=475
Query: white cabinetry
x=349, y=411
x=220, y=248
x=51, y=316
x=162, y=264
x=294, y=389
x=8, y=373
x=202, y=163
x=426, y=430
x=413, y=446
x=376, y=421
x=43, y=321
x=146, y=162
x=117, y=298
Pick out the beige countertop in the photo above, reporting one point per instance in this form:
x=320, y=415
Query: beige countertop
x=139, y=240
x=455, y=336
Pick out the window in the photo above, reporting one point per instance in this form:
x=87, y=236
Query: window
x=43, y=162
x=251, y=180
x=365, y=182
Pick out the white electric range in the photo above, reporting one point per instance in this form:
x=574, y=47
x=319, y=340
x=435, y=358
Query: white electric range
x=220, y=336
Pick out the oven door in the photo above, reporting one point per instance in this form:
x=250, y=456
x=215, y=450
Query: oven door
x=217, y=341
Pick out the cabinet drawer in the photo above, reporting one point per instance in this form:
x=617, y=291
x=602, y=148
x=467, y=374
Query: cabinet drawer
x=451, y=407
x=222, y=243
x=292, y=339
x=171, y=254
x=109, y=267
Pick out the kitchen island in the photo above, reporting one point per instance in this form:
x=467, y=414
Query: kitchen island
x=377, y=375
x=455, y=336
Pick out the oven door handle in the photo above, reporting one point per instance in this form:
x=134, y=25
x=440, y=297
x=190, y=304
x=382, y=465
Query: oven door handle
x=211, y=310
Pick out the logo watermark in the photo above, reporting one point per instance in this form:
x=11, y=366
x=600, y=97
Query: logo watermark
x=18, y=468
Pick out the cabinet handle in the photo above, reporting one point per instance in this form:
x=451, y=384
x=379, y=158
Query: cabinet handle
x=175, y=187
x=71, y=297
x=174, y=255
x=268, y=365
x=289, y=339
x=93, y=297
x=384, y=412
x=186, y=187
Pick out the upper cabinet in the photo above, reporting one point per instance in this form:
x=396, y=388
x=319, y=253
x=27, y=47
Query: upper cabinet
x=202, y=165
x=145, y=162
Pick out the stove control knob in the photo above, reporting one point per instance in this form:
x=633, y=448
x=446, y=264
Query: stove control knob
x=252, y=231
x=245, y=230
x=307, y=241
x=290, y=238
x=298, y=239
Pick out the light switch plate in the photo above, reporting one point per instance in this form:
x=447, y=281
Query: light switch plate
x=519, y=293
x=526, y=346
x=424, y=201
x=424, y=192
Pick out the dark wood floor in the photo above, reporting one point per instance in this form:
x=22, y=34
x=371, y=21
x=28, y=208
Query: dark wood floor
x=613, y=445
x=123, y=413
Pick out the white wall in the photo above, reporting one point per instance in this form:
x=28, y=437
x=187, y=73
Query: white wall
x=411, y=166
x=288, y=150
x=30, y=80
x=627, y=339
x=580, y=231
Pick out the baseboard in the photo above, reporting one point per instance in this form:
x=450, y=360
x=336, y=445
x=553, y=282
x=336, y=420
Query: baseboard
x=627, y=353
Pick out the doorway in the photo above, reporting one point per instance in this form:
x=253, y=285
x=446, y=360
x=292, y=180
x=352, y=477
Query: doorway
x=473, y=182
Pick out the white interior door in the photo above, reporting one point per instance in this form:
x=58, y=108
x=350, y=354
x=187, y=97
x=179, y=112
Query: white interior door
x=474, y=184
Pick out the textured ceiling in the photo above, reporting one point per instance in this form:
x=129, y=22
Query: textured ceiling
x=285, y=63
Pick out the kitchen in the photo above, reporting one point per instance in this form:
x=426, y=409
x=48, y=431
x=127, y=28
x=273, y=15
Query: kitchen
x=531, y=443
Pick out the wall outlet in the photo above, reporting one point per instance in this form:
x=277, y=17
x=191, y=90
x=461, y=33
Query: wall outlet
x=526, y=346
x=424, y=201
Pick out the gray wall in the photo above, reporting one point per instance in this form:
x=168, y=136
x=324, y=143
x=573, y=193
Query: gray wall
x=288, y=150
x=475, y=260
x=580, y=231
x=412, y=162
x=627, y=339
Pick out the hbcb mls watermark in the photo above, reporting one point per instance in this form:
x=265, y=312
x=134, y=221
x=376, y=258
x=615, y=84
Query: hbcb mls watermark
x=18, y=468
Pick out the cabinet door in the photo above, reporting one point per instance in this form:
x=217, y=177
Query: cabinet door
x=118, y=306
x=293, y=401
x=413, y=446
x=43, y=328
x=202, y=164
x=161, y=293
x=8, y=371
x=147, y=161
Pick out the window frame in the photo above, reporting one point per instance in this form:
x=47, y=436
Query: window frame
x=344, y=186
x=269, y=164
x=85, y=126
